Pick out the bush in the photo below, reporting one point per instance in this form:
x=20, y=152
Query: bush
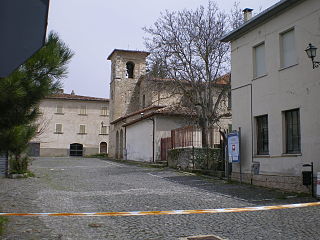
x=19, y=164
x=196, y=158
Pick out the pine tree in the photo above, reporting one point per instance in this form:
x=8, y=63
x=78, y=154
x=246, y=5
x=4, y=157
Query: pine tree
x=22, y=91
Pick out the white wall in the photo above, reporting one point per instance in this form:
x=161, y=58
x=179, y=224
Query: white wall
x=139, y=137
x=281, y=89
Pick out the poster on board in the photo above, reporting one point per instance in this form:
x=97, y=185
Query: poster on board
x=233, y=147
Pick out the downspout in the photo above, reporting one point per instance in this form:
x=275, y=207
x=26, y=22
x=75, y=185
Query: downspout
x=251, y=120
x=153, y=136
x=125, y=142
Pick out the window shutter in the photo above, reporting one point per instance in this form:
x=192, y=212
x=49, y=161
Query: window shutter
x=82, y=129
x=58, y=128
x=103, y=129
x=83, y=110
x=59, y=108
x=260, y=62
x=288, y=51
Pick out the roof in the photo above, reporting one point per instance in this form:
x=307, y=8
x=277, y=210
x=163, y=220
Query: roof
x=66, y=96
x=127, y=51
x=168, y=110
x=259, y=19
x=135, y=113
x=222, y=80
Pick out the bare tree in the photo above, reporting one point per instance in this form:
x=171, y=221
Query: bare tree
x=185, y=46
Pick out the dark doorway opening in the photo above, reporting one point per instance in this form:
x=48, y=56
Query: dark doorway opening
x=103, y=147
x=76, y=150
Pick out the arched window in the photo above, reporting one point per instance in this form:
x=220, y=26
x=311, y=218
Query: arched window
x=130, y=69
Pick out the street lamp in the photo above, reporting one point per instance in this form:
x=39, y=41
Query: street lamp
x=312, y=52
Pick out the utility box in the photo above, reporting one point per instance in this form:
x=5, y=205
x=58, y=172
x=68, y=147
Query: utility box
x=255, y=168
x=306, y=178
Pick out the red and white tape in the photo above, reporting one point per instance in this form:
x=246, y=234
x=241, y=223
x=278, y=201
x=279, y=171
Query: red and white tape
x=172, y=212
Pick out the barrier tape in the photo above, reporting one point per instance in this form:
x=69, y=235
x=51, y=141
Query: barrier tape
x=172, y=212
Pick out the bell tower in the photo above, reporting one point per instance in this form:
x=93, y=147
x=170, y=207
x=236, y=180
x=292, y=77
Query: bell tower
x=126, y=68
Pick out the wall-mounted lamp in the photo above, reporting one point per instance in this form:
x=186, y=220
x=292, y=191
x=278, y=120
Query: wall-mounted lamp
x=312, y=52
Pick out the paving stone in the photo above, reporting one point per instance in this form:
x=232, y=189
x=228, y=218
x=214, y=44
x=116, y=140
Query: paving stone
x=93, y=185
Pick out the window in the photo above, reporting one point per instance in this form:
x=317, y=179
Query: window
x=59, y=109
x=58, y=128
x=104, y=130
x=292, y=130
x=288, y=55
x=262, y=135
x=259, y=61
x=130, y=68
x=82, y=129
x=104, y=111
x=83, y=110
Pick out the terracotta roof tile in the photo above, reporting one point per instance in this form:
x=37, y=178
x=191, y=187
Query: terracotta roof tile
x=75, y=97
x=135, y=113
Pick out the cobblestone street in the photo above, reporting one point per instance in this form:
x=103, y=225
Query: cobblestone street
x=93, y=185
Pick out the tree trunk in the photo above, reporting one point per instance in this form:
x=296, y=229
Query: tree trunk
x=204, y=133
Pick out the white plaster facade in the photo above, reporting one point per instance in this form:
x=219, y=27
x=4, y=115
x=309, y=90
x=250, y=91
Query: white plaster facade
x=278, y=90
x=143, y=138
x=65, y=109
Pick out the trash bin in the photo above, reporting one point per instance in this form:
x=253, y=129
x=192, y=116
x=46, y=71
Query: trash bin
x=306, y=178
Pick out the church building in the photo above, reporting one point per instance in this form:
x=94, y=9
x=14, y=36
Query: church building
x=143, y=109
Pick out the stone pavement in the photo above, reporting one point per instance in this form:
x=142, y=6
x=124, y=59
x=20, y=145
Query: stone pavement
x=93, y=185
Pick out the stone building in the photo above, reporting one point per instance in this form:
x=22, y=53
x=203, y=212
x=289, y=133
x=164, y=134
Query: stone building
x=275, y=93
x=72, y=125
x=143, y=109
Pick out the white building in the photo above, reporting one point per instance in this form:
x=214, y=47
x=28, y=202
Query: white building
x=275, y=93
x=72, y=125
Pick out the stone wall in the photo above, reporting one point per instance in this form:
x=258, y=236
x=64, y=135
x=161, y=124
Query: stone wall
x=122, y=88
x=286, y=183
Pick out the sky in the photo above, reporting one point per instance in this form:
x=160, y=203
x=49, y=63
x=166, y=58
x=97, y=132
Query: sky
x=93, y=28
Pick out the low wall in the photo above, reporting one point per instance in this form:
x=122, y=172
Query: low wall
x=286, y=183
x=195, y=158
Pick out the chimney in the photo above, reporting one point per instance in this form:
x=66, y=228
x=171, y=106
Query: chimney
x=247, y=14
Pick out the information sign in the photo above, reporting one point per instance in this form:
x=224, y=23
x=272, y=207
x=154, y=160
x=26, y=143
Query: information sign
x=233, y=147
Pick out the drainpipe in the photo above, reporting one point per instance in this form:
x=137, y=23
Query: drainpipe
x=153, y=136
x=251, y=120
x=125, y=142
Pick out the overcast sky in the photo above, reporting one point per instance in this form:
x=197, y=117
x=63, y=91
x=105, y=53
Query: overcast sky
x=93, y=28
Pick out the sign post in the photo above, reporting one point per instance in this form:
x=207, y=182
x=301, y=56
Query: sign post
x=234, y=148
